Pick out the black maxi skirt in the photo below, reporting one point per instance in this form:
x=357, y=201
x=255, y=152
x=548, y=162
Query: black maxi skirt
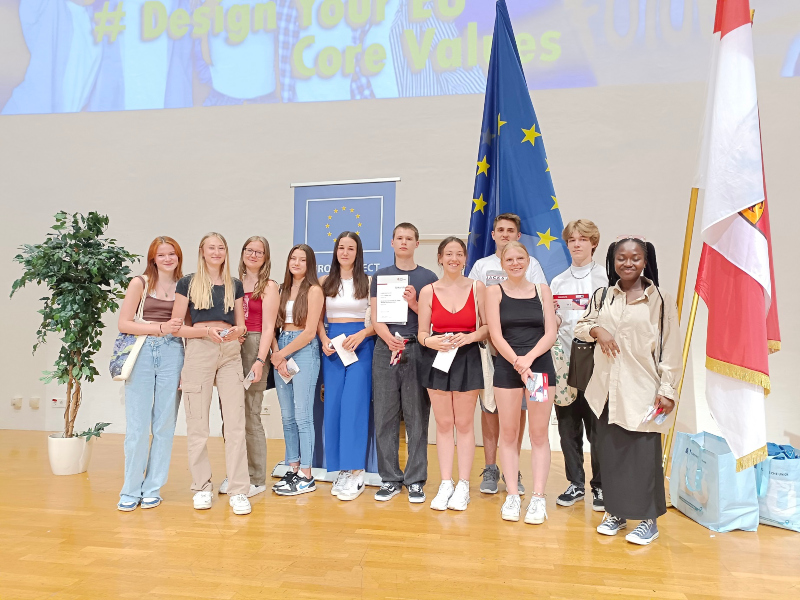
x=633, y=479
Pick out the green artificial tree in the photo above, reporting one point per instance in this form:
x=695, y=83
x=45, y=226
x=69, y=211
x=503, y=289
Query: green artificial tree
x=85, y=274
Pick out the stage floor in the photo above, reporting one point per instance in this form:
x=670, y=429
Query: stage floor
x=62, y=538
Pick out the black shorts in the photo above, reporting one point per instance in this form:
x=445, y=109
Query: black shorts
x=507, y=378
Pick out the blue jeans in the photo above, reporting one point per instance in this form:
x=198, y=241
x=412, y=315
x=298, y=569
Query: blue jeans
x=151, y=401
x=348, y=395
x=297, y=401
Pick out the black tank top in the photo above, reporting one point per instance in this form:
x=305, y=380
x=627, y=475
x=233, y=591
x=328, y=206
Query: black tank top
x=521, y=320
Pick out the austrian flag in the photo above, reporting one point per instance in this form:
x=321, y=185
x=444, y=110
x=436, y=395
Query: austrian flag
x=735, y=278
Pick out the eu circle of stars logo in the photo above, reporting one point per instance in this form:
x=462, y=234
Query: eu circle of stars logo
x=352, y=218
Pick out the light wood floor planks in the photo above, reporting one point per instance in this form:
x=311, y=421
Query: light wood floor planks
x=62, y=538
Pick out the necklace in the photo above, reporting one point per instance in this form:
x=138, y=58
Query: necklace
x=585, y=276
x=165, y=292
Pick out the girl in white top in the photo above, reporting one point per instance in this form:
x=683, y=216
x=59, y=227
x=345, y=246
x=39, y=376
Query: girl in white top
x=299, y=312
x=348, y=389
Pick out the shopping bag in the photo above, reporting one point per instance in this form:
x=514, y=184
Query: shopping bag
x=778, y=483
x=705, y=486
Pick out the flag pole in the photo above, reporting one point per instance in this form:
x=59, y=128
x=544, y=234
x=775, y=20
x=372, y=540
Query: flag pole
x=687, y=248
x=687, y=342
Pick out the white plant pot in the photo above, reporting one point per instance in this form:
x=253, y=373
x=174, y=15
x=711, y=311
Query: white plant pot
x=68, y=456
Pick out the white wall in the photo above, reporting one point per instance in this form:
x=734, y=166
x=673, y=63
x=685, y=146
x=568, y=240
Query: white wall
x=622, y=156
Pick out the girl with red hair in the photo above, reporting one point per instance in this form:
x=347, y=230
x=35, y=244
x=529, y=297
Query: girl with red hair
x=151, y=391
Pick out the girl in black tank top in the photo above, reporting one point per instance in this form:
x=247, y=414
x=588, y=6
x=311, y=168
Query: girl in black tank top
x=522, y=324
x=522, y=329
x=522, y=321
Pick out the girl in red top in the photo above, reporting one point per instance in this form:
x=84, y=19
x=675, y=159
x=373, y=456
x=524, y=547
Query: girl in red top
x=260, y=303
x=448, y=319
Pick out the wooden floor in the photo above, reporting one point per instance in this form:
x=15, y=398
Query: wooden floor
x=62, y=538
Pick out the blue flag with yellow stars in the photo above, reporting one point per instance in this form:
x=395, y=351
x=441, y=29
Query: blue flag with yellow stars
x=513, y=174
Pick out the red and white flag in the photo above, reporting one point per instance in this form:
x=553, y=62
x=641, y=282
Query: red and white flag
x=735, y=278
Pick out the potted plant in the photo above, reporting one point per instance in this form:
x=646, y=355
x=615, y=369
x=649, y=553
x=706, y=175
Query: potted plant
x=85, y=273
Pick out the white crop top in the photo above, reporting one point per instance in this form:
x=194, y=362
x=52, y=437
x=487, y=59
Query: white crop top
x=289, y=312
x=344, y=305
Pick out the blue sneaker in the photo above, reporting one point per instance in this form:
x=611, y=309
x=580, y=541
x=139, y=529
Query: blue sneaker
x=150, y=502
x=611, y=525
x=645, y=533
x=127, y=506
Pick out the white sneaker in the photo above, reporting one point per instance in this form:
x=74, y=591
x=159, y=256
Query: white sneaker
x=446, y=489
x=511, y=508
x=223, y=487
x=340, y=483
x=240, y=504
x=537, y=511
x=202, y=500
x=460, y=498
x=255, y=490
x=354, y=488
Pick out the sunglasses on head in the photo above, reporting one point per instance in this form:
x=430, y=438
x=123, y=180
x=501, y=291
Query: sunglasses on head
x=625, y=238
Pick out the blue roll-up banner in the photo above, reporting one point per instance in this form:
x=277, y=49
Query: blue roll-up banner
x=321, y=212
x=324, y=210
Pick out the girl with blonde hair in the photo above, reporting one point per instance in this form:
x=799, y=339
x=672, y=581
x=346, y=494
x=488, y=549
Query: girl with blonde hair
x=214, y=301
x=522, y=326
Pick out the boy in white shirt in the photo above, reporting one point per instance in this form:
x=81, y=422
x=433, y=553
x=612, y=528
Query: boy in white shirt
x=489, y=270
x=572, y=290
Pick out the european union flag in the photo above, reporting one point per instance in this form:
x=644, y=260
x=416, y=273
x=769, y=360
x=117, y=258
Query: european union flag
x=513, y=174
x=328, y=217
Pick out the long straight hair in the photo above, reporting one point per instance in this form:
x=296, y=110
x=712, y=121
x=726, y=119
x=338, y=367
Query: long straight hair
x=360, y=279
x=263, y=272
x=151, y=270
x=201, y=287
x=300, y=310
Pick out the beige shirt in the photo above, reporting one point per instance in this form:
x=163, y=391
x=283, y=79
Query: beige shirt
x=632, y=380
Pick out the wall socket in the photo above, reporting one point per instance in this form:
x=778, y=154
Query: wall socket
x=58, y=402
x=33, y=402
x=16, y=402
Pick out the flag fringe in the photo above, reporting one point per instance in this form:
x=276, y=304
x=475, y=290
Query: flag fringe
x=752, y=459
x=737, y=372
x=774, y=346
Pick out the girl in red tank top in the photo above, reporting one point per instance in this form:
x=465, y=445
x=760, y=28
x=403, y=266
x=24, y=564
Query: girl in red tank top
x=461, y=321
x=260, y=303
x=451, y=319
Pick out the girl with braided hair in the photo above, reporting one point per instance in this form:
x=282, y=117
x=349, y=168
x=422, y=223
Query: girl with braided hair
x=637, y=367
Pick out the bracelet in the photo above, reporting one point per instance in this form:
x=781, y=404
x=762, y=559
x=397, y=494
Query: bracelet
x=258, y=359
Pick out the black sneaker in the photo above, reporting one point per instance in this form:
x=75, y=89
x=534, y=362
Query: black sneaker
x=416, y=494
x=283, y=480
x=571, y=496
x=297, y=485
x=388, y=490
x=598, y=504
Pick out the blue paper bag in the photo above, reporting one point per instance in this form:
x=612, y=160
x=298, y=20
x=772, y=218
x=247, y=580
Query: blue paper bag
x=778, y=481
x=705, y=486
